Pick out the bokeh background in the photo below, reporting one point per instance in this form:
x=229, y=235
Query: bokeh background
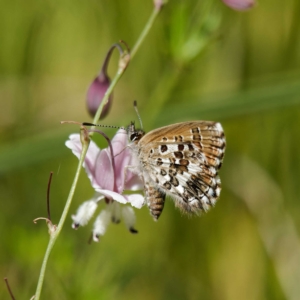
x=247, y=77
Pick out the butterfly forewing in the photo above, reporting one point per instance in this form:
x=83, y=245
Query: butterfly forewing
x=182, y=160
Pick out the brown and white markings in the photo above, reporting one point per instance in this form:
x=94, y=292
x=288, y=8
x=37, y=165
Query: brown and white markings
x=180, y=160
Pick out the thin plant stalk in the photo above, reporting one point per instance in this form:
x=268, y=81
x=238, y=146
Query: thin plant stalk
x=54, y=234
x=145, y=32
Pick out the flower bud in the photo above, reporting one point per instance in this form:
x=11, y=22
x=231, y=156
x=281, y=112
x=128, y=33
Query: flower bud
x=99, y=87
x=240, y=5
x=96, y=93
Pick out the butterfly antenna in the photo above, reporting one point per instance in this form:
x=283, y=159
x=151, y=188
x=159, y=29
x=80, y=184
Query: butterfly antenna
x=137, y=112
x=100, y=125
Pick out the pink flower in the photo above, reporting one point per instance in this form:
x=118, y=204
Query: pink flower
x=108, y=182
x=240, y=4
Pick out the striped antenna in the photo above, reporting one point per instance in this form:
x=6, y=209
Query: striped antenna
x=100, y=125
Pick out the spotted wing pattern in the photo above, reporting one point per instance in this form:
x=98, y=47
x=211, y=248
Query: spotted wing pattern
x=182, y=160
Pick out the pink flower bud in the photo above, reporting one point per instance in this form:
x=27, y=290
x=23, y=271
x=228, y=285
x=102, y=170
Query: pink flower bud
x=240, y=5
x=99, y=87
x=96, y=93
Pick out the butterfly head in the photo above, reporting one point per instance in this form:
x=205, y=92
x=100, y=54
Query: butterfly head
x=134, y=134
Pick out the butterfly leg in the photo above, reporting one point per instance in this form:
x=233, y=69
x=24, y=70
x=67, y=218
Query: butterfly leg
x=155, y=200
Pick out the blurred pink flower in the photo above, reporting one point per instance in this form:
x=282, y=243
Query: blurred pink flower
x=240, y=5
x=108, y=182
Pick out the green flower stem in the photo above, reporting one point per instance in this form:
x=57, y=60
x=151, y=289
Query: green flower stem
x=144, y=33
x=54, y=234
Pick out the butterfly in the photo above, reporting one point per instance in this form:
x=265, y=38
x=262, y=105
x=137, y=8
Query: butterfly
x=182, y=161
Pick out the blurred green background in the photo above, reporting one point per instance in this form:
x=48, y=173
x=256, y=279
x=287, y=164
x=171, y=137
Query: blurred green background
x=247, y=77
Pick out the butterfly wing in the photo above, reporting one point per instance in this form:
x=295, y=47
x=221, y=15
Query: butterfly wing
x=182, y=160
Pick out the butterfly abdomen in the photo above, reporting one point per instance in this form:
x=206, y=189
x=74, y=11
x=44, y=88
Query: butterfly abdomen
x=155, y=201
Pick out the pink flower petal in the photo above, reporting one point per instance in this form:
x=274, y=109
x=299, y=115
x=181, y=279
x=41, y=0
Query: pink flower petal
x=121, y=156
x=123, y=162
x=113, y=195
x=135, y=200
x=104, y=174
x=74, y=144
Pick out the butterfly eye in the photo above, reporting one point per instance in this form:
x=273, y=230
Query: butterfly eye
x=136, y=135
x=133, y=136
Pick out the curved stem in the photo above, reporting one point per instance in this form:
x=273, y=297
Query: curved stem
x=108, y=55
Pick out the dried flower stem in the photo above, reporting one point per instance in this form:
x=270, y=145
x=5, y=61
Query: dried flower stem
x=48, y=196
x=121, y=69
x=9, y=289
